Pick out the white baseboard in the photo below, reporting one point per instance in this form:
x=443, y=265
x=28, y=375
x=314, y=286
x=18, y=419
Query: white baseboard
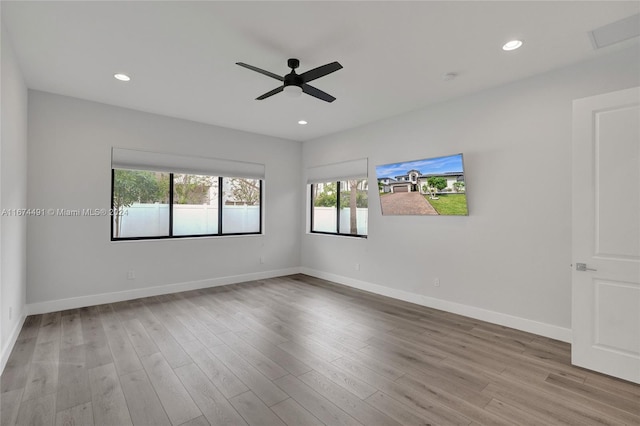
x=119, y=296
x=11, y=342
x=531, y=326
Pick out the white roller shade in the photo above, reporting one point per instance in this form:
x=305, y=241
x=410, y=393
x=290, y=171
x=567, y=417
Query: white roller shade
x=144, y=160
x=338, y=171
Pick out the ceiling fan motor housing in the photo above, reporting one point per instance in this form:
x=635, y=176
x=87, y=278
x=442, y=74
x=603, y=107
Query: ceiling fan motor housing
x=292, y=79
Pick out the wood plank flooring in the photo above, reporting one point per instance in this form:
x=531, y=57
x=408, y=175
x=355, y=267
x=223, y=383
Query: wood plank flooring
x=295, y=350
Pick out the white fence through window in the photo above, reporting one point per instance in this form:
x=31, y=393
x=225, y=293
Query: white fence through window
x=188, y=219
x=324, y=220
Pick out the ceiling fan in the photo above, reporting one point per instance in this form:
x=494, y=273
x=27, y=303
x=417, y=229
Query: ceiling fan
x=295, y=84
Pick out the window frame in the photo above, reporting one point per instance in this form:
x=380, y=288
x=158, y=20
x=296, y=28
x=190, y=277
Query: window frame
x=170, y=235
x=311, y=213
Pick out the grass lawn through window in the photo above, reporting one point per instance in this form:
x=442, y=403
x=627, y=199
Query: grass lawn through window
x=450, y=204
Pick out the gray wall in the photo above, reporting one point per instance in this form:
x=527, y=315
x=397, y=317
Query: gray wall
x=72, y=259
x=13, y=194
x=508, y=261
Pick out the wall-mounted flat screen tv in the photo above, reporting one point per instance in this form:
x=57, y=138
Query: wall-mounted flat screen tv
x=431, y=186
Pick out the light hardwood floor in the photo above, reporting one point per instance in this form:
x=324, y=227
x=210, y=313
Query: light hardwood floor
x=300, y=351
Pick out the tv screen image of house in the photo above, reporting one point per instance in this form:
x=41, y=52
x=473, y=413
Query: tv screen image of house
x=431, y=187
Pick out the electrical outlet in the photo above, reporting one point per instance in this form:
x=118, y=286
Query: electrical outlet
x=436, y=282
x=131, y=275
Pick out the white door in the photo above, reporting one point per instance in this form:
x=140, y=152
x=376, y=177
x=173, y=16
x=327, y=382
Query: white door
x=606, y=234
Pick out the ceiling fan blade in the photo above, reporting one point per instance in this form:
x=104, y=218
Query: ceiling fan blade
x=271, y=93
x=317, y=93
x=320, y=71
x=261, y=71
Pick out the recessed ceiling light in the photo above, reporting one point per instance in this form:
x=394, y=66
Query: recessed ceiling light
x=302, y=122
x=121, y=77
x=512, y=45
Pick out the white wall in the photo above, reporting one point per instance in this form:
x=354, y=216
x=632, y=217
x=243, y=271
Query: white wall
x=508, y=261
x=13, y=194
x=71, y=260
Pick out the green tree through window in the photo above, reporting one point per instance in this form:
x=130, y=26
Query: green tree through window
x=134, y=186
x=246, y=191
x=192, y=189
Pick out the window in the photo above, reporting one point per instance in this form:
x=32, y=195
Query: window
x=195, y=204
x=338, y=196
x=150, y=204
x=324, y=202
x=241, y=205
x=156, y=195
x=140, y=205
x=340, y=207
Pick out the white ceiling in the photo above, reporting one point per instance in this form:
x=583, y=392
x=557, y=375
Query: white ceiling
x=181, y=55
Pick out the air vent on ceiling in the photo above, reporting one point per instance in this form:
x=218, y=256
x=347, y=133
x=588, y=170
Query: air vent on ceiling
x=616, y=32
